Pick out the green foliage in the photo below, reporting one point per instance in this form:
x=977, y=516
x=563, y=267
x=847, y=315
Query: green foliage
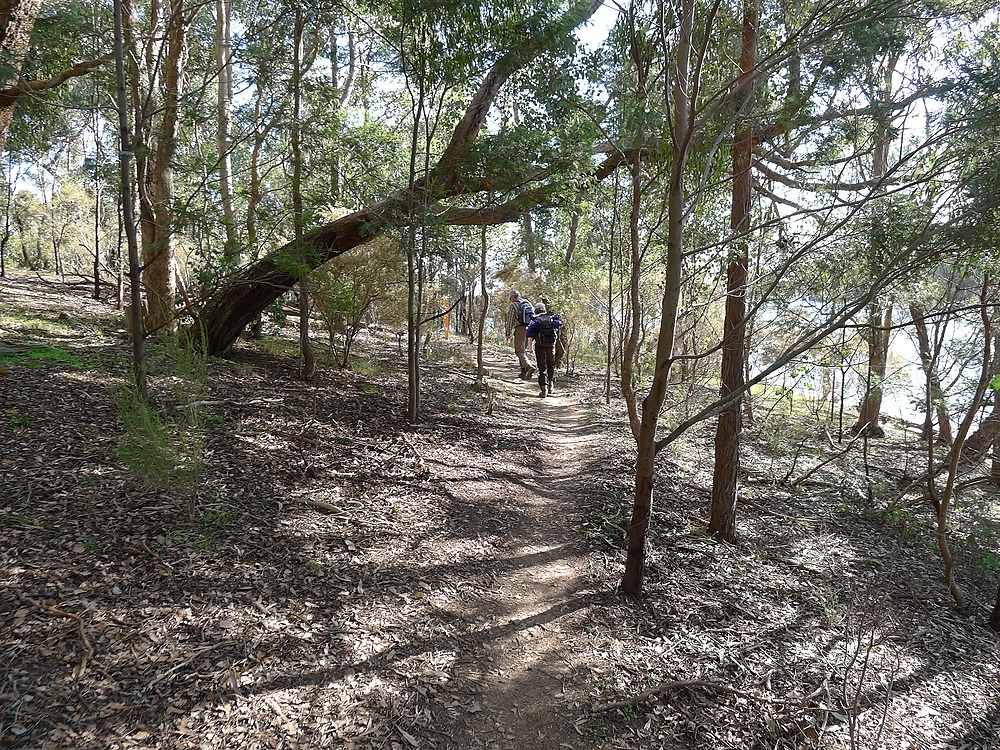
x=35, y=358
x=163, y=448
x=148, y=446
x=217, y=516
x=354, y=287
x=17, y=420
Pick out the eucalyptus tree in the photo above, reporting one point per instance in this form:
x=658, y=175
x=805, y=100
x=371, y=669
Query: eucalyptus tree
x=722, y=520
x=793, y=134
x=223, y=125
x=307, y=358
x=156, y=39
x=17, y=24
x=125, y=144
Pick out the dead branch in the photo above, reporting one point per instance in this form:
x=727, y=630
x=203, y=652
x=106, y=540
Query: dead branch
x=187, y=661
x=82, y=666
x=667, y=687
x=832, y=458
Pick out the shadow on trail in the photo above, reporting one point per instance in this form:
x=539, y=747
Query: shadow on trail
x=405, y=650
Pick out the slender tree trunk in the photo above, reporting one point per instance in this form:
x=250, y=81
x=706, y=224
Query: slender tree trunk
x=56, y=259
x=7, y=196
x=95, y=125
x=722, y=522
x=224, y=104
x=125, y=163
x=632, y=339
x=611, y=277
x=574, y=226
x=880, y=326
x=480, y=369
x=343, y=97
x=307, y=363
x=156, y=103
x=530, y=243
x=880, y=319
x=414, y=262
x=646, y=446
x=942, y=501
x=97, y=235
x=630, y=344
x=928, y=360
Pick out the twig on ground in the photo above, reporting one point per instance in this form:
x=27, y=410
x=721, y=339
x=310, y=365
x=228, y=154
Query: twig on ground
x=666, y=687
x=82, y=666
x=195, y=655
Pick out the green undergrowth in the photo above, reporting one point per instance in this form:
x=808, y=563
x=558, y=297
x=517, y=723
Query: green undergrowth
x=38, y=357
x=162, y=443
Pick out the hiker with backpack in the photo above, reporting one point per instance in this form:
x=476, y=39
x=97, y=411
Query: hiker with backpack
x=517, y=320
x=561, y=339
x=544, y=332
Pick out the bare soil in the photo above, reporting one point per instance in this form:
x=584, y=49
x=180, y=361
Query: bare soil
x=322, y=574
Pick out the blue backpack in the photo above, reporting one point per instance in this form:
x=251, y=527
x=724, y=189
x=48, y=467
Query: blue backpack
x=525, y=312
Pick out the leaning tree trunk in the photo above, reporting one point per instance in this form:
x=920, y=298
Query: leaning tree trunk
x=722, y=518
x=247, y=294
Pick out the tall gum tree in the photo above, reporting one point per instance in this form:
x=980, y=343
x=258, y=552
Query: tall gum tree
x=157, y=54
x=699, y=102
x=722, y=518
x=682, y=96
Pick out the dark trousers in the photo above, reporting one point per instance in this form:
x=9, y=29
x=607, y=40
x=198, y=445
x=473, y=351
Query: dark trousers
x=545, y=356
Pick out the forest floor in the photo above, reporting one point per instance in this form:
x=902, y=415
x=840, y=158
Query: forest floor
x=291, y=565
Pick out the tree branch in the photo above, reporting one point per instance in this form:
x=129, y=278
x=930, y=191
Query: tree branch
x=13, y=93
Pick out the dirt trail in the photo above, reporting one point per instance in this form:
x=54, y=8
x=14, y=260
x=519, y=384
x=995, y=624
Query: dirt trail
x=532, y=677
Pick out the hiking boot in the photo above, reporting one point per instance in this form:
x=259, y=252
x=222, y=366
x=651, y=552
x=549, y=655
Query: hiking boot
x=541, y=393
x=524, y=372
x=529, y=373
x=549, y=389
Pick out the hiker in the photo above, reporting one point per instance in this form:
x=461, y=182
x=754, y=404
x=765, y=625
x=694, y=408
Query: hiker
x=560, y=343
x=519, y=315
x=543, y=332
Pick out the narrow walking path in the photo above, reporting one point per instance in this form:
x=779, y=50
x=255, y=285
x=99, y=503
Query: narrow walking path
x=532, y=677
